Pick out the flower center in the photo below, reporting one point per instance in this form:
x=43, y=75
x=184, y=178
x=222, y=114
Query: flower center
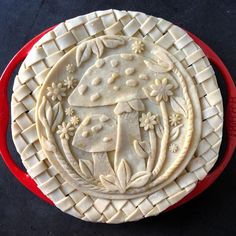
x=162, y=89
x=64, y=130
x=56, y=91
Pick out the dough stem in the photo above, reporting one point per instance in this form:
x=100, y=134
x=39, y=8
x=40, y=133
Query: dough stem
x=164, y=141
x=153, y=144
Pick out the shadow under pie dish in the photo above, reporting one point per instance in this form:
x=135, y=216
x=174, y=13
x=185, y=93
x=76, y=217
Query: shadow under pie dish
x=116, y=115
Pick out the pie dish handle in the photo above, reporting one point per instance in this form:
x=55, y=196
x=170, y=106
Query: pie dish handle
x=29, y=183
x=229, y=122
x=21, y=175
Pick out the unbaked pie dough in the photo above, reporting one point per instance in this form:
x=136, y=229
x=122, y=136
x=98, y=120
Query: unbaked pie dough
x=116, y=115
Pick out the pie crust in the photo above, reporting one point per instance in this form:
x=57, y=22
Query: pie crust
x=116, y=115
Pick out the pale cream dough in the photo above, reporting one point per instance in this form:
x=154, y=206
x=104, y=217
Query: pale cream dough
x=119, y=78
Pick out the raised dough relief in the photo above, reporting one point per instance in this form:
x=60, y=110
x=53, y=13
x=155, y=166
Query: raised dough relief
x=73, y=188
x=117, y=117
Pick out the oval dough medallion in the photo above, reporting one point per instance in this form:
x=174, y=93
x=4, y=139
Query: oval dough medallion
x=138, y=110
x=116, y=115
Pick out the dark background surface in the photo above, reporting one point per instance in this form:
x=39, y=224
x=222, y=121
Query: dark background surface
x=212, y=213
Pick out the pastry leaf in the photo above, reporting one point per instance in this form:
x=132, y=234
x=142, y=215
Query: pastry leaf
x=48, y=112
x=112, y=41
x=139, y=179
x=85, y=168
x=97, y=47
x=174, y=133
x=139, y=149
x=57, y=115
x=178, y=105
x=83, y=53
x=48, y=145
x=123, y=174
x=159, y=130
x=108, y=182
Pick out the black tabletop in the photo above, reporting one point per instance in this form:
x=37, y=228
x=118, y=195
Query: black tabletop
x=212, y=213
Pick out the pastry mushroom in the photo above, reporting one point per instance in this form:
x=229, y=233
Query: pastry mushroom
x=97, y=135
x=117, y=80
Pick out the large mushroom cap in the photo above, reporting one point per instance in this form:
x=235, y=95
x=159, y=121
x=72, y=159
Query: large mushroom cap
x=96, y=133
x=116, y=78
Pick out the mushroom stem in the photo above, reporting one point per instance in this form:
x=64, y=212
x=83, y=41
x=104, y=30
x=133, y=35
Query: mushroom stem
x=127, y=133
x=101, y=164
x=164, y=141
x=153, y=144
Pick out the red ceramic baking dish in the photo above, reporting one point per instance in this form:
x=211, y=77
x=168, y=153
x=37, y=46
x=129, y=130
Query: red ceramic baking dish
x=230, y=121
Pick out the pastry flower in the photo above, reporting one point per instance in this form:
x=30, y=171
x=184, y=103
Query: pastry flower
x=138, y=46
x=69, y=111
x=70, y=68
x=70, y=82
x=147, y=121
x=174, y=119
x=65, y=130
x=173, y=148
x=56, y=91
x=74, y=120
x=161, y=90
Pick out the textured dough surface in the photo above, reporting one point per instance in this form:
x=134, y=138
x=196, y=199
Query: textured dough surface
x=118, y=202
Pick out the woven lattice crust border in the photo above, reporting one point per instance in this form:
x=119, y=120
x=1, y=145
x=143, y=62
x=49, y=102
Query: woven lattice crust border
x=48, y=50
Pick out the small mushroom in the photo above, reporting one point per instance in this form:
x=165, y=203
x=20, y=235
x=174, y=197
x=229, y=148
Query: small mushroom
x=98, y=136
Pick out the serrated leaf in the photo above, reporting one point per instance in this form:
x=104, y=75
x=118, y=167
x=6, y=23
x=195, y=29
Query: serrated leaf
x=109, y=182
x=174, y=133
x=83, y=53
x=178, y=105
x=48, y=112
x=112, y=41
x=85, y=169
x=159, y=130
x=48, y=145
x=97, y=47
x=123, y=174
x=139, y=179
x=58, y=115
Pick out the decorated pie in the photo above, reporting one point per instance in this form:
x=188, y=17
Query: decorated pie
x=116, y=115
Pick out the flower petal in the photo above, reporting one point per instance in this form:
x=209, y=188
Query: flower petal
x=153, y=86
x=158, y=97
x=169, y=86
x=157, y=82
x=153, y=93
x=165, y=97
x=169, y=93
x=164, y=81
